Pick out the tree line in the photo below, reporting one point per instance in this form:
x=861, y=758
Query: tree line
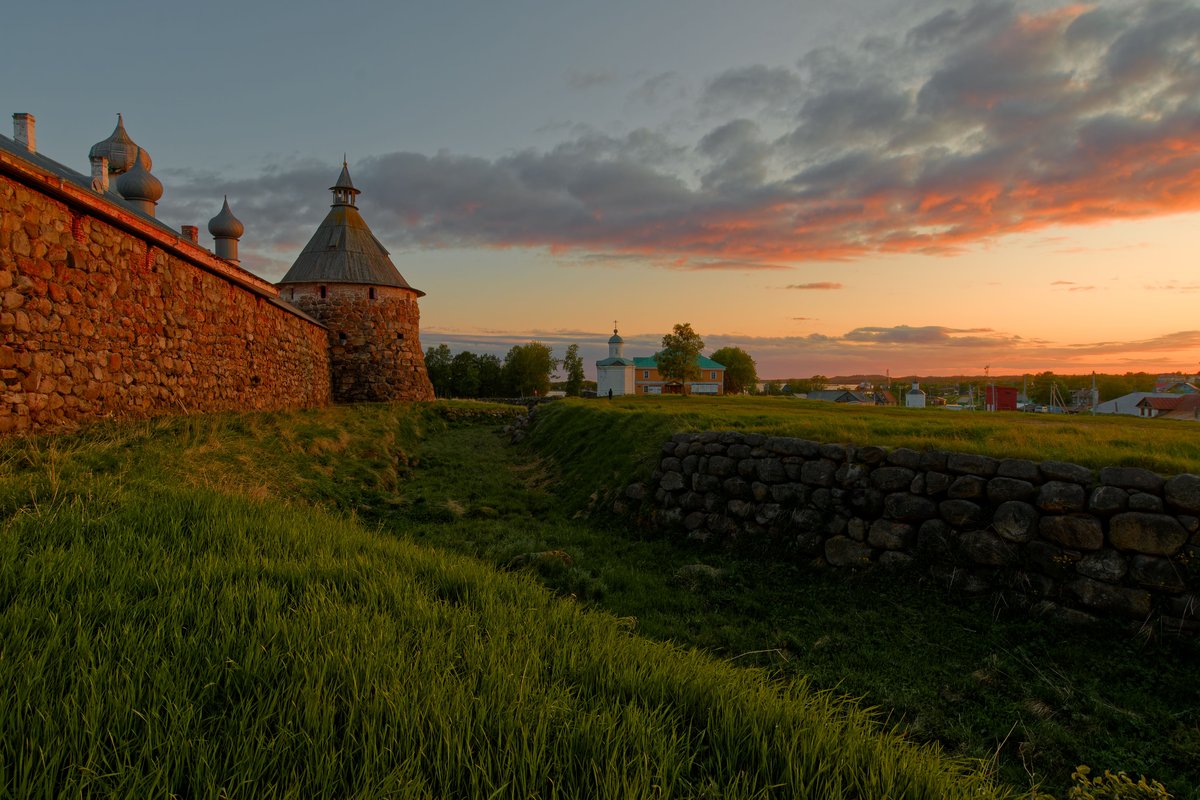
x=525, y=371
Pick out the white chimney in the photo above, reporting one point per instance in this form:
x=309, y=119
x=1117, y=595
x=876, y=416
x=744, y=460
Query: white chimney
x=25, y=131
x=100, y=174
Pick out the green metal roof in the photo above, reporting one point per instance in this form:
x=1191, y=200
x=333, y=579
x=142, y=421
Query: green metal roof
x=651, y=362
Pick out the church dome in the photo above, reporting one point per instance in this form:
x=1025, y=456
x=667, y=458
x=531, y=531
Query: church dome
x=225, y=225
x=120, y=150
x=139, y=184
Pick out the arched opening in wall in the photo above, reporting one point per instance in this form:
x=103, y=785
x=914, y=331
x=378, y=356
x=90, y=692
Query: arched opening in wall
x=342, y=339
x=293, y=297
x=323, y=292
x=371, y=293
x=400, y=335
x=255, y=381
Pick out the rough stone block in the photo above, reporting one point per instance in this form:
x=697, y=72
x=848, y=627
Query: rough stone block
x=982, y=547
x=842, y=551
x=1002, y=489
x=1076, y=531
x=1106, y=565
x=1132, y=478
x=1113, y=599
x=1019, y=468
x=870, y=455
x=909, y=507
x=1067, y=472
x=1151, y=534
x=967, y=487
x=1157, y=573
x=1141, y=501
x=962, y=513
x=1108, y=500
x=818, y=473
x=1182, y=492
x=892, y=479
x=891, y=535
x=1061, y=497
x=937, y=482
x=972, y=464
x=770, y=470
x=672, y=481
x=904, y=457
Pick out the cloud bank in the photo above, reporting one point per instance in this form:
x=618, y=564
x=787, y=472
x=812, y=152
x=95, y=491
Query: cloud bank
x=977, y=122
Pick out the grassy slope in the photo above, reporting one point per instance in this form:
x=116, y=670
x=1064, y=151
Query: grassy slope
x=176, y=618
x=967, y=674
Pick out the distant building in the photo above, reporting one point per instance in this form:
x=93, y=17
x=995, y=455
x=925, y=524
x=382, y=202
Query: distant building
x=639, y=376
x=842, y=396
x=1180, y=406
x=914, y=397
x=1000, y=398
x=1128, y=404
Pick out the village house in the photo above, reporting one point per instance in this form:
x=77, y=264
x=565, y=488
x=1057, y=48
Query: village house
x=618, y=375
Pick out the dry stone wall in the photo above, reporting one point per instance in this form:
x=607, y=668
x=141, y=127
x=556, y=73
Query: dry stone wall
x=1053, y=537
x=96, y=321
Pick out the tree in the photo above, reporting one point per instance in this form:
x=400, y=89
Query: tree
x=818, y=383
x=741, y=373
x=464, y=375
x=491, y=376
x=677, y=359
x=437, y=365
x=527, y=368
x=572, y=364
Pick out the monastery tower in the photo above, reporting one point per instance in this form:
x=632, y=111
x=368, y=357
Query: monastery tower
x=345, y=280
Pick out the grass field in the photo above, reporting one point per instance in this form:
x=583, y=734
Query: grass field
x=310, y=605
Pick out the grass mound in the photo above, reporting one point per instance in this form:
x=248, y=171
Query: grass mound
x=169, y=626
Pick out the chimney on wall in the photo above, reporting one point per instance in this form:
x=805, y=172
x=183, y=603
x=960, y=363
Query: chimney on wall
x=25, y=131
x=191, y=233
x=99, y=174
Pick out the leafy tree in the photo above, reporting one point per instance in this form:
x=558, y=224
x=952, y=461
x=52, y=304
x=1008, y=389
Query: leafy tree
x=437, y=364
x=572, y=365
x=464, y=375
x=772, y=387
x=818, y=383
x=527, y=368
x=677, y=359
x=741, y=373
x=491, y=375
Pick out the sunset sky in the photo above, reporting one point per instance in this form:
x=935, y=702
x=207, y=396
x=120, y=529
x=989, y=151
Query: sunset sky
x=860, y=186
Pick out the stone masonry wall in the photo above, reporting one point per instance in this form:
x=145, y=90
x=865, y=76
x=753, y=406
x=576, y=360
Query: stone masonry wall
x=1053, y=537
x=374, y=342
x=96, y=321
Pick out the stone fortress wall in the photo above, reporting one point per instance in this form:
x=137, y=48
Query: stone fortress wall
x=1054, y=538
x=105, y=315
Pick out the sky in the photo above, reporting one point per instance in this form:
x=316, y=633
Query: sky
x=901, y=186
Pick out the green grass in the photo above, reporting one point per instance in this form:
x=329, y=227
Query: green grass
x=242, y=606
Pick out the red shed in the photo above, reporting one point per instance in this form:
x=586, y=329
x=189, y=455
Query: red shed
x=1001, y=398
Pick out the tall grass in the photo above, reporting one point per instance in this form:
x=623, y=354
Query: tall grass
x=170, y=627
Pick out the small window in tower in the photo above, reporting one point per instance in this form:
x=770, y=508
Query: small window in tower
x=342, y=338
x=371, y=292
x=322, y=292
x=293, y=294
x=400, y=335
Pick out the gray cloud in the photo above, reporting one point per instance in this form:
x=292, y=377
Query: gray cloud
x=982, y=120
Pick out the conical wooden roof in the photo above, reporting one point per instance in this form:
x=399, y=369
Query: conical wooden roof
x=343, y=249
